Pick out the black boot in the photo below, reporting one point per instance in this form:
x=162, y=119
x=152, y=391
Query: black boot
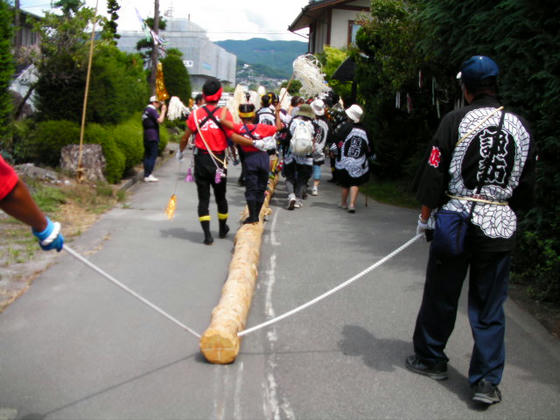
x=258, y=207
x=224, y=228
x=208, y=239
x=252, y=217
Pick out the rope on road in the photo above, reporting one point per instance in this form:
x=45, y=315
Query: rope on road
x=334, y=290
x=129, y=291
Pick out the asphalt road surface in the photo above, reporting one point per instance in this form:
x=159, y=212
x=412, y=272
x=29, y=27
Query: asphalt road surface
x=77, y=347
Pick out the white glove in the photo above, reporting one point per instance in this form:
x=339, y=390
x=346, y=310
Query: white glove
x=268, y=143
x=180, y=155
x=422, y=226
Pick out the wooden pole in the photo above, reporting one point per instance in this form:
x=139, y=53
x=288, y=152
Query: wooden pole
x=80, y=170
x=220, y=343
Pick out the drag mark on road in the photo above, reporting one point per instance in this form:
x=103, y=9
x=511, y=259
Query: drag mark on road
x=273, y=240
x=237, y=393
x=272, y=407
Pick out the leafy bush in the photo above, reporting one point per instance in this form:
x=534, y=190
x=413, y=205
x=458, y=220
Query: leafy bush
x=118, y=86
x=45, y=141
x=115, y=158
x=128, y=137
x=163, y=139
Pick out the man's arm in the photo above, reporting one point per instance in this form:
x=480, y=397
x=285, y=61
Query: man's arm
x=19, y=204
x=244, y=141
x=161, y=116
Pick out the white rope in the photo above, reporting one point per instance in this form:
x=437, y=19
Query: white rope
x=307, y=70
x=128, y=290
x=334, y=290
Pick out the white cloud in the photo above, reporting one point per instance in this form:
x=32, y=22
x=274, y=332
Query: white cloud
x=222, y=19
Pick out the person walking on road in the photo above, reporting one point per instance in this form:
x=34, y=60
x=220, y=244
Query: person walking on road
x=16, y=201
x=353, y=150
x=318, y=107
x=257, y=161
x=299, y=166
x=151, y=119
x=209, y=158
x=476, y=168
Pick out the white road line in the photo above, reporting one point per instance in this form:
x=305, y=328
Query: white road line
x=273, y=240
x=237, y=394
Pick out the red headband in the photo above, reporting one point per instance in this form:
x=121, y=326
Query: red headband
x=215, y=97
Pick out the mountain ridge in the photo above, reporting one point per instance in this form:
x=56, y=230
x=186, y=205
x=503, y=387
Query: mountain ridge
x=272, y=58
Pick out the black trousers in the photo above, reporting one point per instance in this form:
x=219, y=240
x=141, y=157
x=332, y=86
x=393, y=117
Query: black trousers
x=257, y=165
x=488, y=280
x=204, y=176
x=296, y=177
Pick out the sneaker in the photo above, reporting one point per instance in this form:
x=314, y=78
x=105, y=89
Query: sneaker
x=486, y=393
x=343, y=206
x=315, y=191
x=150, y=178
x=298, y=204
x=434, y=370
x=291, y=201
x=351, y=209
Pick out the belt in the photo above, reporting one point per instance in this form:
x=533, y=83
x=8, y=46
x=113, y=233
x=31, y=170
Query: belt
x=204, y=151
x=478, y=199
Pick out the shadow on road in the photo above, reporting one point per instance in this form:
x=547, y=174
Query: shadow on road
x=36, y=416
x=387, y=354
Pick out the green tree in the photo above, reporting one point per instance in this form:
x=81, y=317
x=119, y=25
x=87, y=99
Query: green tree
x=331, y=58
x=110, y=25
x=177, y=79
x=389, y=71
x=118, y=85
x=6, y=72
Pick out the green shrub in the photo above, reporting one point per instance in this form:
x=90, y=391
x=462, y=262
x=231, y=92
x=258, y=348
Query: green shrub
x=128, y=136
x=45, y=140
x=114, y=157
x=163, y=139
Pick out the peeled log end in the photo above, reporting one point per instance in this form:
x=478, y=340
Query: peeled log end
x=219, y=346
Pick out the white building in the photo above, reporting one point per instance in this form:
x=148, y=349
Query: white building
x=330, y=22
x=202, y=58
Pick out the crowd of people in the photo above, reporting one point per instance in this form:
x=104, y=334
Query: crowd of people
x=295, y=141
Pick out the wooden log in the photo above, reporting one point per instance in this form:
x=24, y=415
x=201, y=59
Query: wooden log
x=220, y=343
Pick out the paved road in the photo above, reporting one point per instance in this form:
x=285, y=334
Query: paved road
x=77, y=347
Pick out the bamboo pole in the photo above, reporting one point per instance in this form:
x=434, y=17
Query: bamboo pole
x=80, y=169
x=220, y=343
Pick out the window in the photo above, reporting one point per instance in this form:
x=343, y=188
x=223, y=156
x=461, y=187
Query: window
x=352, y=31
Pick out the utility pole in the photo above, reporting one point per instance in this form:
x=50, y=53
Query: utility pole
x=154, y=58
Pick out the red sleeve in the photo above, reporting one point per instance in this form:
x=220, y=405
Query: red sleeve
x=237, y=128
x=8, y=178
x=266, y=130
x=229, y=117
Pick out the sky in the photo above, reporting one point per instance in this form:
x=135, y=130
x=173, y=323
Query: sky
x=222, y=19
